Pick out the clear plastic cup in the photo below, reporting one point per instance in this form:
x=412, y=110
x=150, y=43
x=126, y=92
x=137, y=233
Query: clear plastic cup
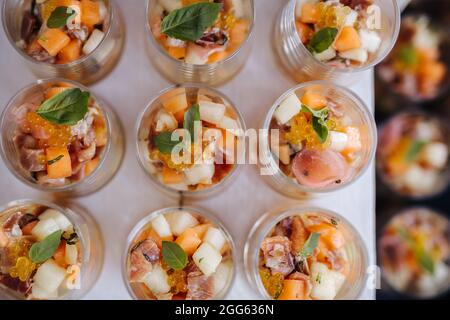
x=353, y=246
x=88, y=68
x=354, y=114
x=212, y=74
x=109, y=159
x=139, y=290
x=90, y=240
x=224, y=173
x=303, y=66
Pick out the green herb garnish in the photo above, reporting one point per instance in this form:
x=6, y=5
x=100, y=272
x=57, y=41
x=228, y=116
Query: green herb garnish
x=408, y=56
x=174, y=255
x=65, y=108
x=414, y=150
x=164, y=142
x=310, y=245
x=52, y=161
x=319, y=278
x=189, y=23
x=43, y=250
x=190, y=118
x=322, y=40
x=60, y=16
x=422, y=257
x=319, y=122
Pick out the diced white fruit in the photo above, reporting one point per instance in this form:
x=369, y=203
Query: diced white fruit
x=420, y=180
x=102, y=10
x=179, y=221
x=370, y=40
x=165, y=121
x=426, y=131
x=44, y=228
x=230, y=124
x=283, y=152
x=193, y=55
x=161, y=226
x=358, y=54
x=157, y=280
x=207, y=258
x=288, y=109
x=424, y=37
x=324, y=286
x=326, y=55
x=172, y=42
x=215, y=237
x=170, y=5
x=38, y=292
x=238, y=8
x=49, y=276
x=93, y=41
x=212, y=112
x=339, y=279
x=200, y=173
x=61, y=220
x=222, y=276
x=299, y=6
x=351, y=18
x=436, y=154
x=71, y=254
x=338, y=140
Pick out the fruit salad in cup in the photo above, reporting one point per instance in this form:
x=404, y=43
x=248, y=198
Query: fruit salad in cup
x=414, y=251
x=179, y=254
x=63, y=31
x=416, y=68
x=339, y=33
x=40, y=253
x=325, y=138
x=200, y=32
x=59, y=133
x=413, y=155
x=188, y=139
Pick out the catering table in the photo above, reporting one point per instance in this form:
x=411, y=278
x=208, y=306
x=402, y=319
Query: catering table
x=131, y=195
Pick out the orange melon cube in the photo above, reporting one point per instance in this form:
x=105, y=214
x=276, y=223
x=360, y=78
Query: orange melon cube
x=177, y=52
x=347, y=39
x=239, y=32
x=53, y=40
x=91, y=165
x=293, y=290
x=90, y=13
x=57, y=169
x=310, y=13
x=171, y=176
x=53, y=91
x=189, y=241
x=314, y=100
x=71, y=52
x=304, y=31
x=60, y=254
x=101, y=132
x=201, y=229
x=175, y=100
x=217, y=56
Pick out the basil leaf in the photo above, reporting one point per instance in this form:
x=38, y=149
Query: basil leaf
x=52, y=161
x=408, y=56
x=60, y=16
x=322, y=40
x=164, y=142
x=43, y=250
x=174, y=255
x=190, y=118
x=65, y=108
x=422, y=257
x=319, y=122
x=310, y=245
x=414, y=150
x=189, y=23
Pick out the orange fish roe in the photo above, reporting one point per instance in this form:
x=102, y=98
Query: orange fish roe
x=302, y=132
x=59, y=135
x=332, y=16
x=272, y=282
x=178, y=282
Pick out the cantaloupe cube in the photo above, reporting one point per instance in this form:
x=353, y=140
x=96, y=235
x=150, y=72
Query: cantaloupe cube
x=53, y=40
x=53, y=91
x=47, y=7
x=217, y=56
x=347, y=39
x=90, y=13
x=310, y=13
x=304, y=31
x=61, y=168
x=101, y=132
x=91, y=165
x=239, y=32
x=175, y=100
x=71, y=52
x=201, y=229
x=293, y=290
x=177, y=52
x=171, y=176
x=189, y=241
x=314, y=100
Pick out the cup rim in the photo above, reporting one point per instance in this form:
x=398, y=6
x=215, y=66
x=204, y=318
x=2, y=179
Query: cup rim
x=199, y=66
x=143, y=221
x=103, y=107
x=367, y=114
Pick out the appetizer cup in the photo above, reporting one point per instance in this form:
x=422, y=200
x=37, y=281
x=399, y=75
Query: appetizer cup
x=354, y=49
x=320, y=138
x=212, y=161
x=214, y=58
x=48, y=251
x=72, y=159
x=413, y=155
x=205, y=256
x=414, y=250
x=84, y=49
x=303, y=254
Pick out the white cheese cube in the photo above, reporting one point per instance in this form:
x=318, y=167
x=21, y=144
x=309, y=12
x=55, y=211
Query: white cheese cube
x=420, y=180
x=161, y=226
x=170, y=5
x=358, y=54
x=207, y=258
x=324, y=286
x=93, y=41
x=179, y=221
x=61, y=220
x=211, y=112
x=49, y=276
x=288, y=109
x=326, y=55
x=238, y=8
x=193, y=55
x=426, y=131
x=222, y=276
x=165, y=121
x=350, y=19
x=200, y=173
x=230, y=124
x=71, y=256
x=339, y=279
x=436, y=155
x=39, y=293
x=338, y=140
x=215, y=237
x=370, y=40
x=157, y=280
x=44, y=228
x=102, y=10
